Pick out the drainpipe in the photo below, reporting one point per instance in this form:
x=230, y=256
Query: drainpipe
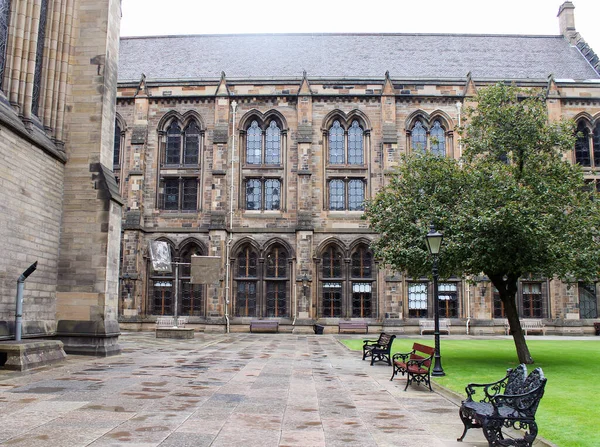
x=458, y=109
x=230, y=236
x=20, y=289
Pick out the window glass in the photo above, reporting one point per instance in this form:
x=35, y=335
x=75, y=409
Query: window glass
x=361, y=263
x=596, y=143
x=418, y=138
x=273, y=144
x=254, y=144
x=356, y=195
x=438, y=140
x=190, y=194
x=173, y=146
x=336, y=144
x=272, y=194
x=532, y=300
x=117, y=147
x=582, y=146
x=4, y=22
x=191, y=144
x=355, y=144
x=253, y=194
x=332, y=263
x=336, y=195
x=171, y=194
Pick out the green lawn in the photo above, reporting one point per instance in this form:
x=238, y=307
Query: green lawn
x=569, y=412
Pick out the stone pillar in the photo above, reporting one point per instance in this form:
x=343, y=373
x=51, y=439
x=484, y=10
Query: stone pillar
x=87, y=291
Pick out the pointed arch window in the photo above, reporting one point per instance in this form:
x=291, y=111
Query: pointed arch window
x=191, y=146
x=350, y=139
x=361, y=282
x=173, y=148
x=428, y=139
x=247, y=282
x=418, y=138
x=438, y=139
x=276, y=282
x=582, y=146
x=191, y=295
x=117, y=147
x=182, y=148
x=263, y=148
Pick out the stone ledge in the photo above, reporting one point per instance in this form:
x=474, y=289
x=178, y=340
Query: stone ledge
x=27, y=354
x=178, y=333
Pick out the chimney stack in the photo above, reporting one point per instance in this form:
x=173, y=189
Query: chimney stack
x=566, y=22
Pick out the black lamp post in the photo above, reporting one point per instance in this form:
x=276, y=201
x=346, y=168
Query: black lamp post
x=434, y=243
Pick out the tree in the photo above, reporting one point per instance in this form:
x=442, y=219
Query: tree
x=512, y=206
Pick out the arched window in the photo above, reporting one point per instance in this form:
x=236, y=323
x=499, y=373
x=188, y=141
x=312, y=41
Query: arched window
x=418, y=138
x=117, y=147
x=347, y=288
x=191, y=147
x=263, y=148
x=182, y=149
x=596, y=143
x=161, y=289
x=582, y=145
x=173, y=148
x=191, y=295
x=276, y=282
x=339, y=139
x=438, y=139
x=246, y=282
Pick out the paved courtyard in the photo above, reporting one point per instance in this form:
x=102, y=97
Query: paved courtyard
x=224, y=390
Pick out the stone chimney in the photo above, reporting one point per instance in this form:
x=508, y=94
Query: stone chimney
x=566, y=22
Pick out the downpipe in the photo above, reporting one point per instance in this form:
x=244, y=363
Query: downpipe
x=19, y=310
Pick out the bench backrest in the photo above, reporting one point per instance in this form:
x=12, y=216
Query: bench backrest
x=385, y=339
x=533, y=390
x=515, y=378
x=419, y=350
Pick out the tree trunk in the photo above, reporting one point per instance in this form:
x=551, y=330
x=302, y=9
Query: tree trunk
x=508, y=294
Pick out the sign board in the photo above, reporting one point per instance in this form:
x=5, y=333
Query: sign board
x=206, y=269
x=160, y=254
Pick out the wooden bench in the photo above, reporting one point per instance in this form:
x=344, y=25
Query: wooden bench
x=416, y=364
x=429, y=326
x=357, y=327
x=510, y=402
x=264, y=326
x=597, y=328
x=162, y=322
x=529, y=324
x=379, y=350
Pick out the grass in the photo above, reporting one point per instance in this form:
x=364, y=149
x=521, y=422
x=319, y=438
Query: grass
x=569, y=411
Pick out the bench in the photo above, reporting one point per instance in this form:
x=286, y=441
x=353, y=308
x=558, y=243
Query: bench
x=357, y=327
x=379, y=350
x=529, y=324
x=510, y=402
x=162, y=322
x=264, y=326
x=429, y=326
x=416, y=364
x=597, y=328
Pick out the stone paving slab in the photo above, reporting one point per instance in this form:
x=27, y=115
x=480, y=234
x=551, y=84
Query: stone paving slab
x=224, y=390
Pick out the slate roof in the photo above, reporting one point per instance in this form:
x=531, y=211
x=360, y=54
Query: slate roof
x=405, y=56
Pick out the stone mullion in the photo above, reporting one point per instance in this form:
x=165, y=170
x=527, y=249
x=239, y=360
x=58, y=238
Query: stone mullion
x=47, y=100
x=33, y=45
x=27, y=68
x=67, y=44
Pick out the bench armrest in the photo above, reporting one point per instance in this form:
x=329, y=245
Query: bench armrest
x=418, y=362
x=370, y=342
x=489, y=390
x=402, y=355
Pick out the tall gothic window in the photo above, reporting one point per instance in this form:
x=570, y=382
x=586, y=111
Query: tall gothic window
x=347, y=289
x=4, y=22
x=438, y=139
x=117, y=147
x=37, y=79
x=423, y=139
x=346, y=194
x=417, y=300
x=418, y=138
x=587, y=145
x=262, y=289
x=448, y=300
x=191, y=295
x=532, y=303
x=498, y=305
x=263, y=148
x=588, y=303
x=346, y=146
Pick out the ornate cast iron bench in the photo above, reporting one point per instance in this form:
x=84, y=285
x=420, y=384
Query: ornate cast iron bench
x=528, y=324
x=264, y=326
x=510, y=402
x=357, y=327
x=379, y=350
x=416, y=364
x=429, y=326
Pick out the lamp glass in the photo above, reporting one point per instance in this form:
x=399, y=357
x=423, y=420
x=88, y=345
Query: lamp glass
x=434, y=241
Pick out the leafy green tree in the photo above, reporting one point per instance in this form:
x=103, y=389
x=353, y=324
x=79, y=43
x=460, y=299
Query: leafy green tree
x=512, y=206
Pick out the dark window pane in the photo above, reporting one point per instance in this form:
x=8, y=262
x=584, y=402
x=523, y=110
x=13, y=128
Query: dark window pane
x=247, y=263
x=332, y=263
x=448, y=300
x=246, y=299
x=171, y=194
x=254, y=144
x=173, y=148
x=362, y=300
x=438, y=140
x=273, y=144
x=117, y=147
x=418, y=138
x=596, y=143
x=192, y=299
x=336, y=144
x=498, y=305
x=582, y=146
x=332, y=300
x=336, y=195
x=253, y=194
x=276, y=263
x=192, y=144
x=361, y=263
x=417, y=300
x=162, y=297
x=39, y=54
x=532, y=300
x=272, y=194
x=356, y=195
x=355, y=145
x=588, y=304
x=276, y=299
x=190, y=194
x=4, y=21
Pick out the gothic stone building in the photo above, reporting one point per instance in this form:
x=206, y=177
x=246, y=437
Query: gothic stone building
x=261, y=150
x=59, y=202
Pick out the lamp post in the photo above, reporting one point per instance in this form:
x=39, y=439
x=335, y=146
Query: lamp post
x=434, y=243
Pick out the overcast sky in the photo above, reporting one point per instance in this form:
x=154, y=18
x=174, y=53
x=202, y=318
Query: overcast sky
x=154, y=17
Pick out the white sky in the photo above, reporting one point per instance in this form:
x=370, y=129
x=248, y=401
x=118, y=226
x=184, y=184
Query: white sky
x=154, y=17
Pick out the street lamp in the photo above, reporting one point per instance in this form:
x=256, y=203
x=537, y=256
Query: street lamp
x=434, y=243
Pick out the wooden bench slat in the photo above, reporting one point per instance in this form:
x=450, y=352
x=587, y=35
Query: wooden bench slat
x=355, y=326
x=415, y=364
x=264, y=326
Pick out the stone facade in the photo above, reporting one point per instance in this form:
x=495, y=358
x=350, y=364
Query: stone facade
x=304, y=259
x=61, y=205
